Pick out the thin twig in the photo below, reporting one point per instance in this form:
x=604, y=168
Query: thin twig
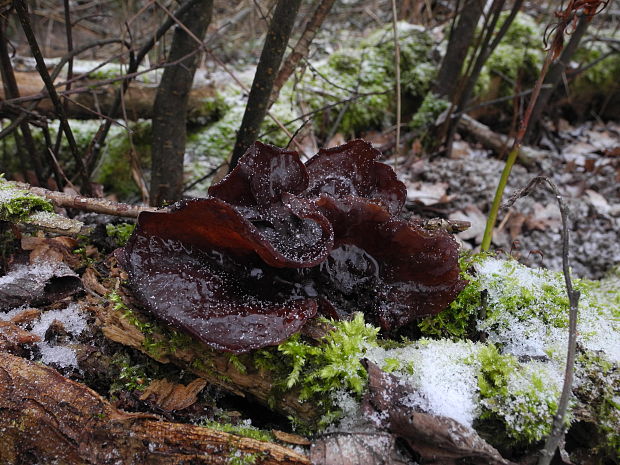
x=557, y=429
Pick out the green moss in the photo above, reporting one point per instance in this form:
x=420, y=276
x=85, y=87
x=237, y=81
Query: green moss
x=523, y=397
x=458, y=321
x=237, y=457
x=131, y=377
x=17, y=205
x=519, y=54
x=598, y=394
x=245, y=431
x=432, y=106
x=495, y=370
x=318, y=371
x=120, y=232
x=603, y=76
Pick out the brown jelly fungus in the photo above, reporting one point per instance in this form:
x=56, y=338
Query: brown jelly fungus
x=278, y=241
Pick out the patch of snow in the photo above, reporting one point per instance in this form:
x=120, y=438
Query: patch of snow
x=444, y=376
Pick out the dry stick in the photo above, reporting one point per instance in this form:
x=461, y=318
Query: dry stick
x=89, y=204
x=12, y=90
x=397, y=83
x=22, y=11
x=300, y=50
x=573, y=297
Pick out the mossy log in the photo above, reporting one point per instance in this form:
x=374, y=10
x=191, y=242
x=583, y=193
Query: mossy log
x=47, y=418
x=236, y=374
x=89, y=97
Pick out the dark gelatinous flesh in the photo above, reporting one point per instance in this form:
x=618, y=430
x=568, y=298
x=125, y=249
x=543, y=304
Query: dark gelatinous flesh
x=278, y=240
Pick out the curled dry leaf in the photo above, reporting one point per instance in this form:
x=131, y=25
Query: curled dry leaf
x=278, y=241
x=171, y=396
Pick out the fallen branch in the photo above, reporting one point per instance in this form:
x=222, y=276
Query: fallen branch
x=48, y=418
x=499, y=142
x=89, y=204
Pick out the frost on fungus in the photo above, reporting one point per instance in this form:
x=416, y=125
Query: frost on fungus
x=278, y=241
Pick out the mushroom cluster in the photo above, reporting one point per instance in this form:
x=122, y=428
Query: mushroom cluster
x=279, y=241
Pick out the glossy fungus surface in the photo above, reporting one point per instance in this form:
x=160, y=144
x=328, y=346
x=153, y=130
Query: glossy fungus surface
x=278, y=241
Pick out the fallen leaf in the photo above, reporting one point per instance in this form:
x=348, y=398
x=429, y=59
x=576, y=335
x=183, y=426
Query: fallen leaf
x=171, y=396
x=12, y=338
x=428, y=193
x=91, y=282
x=27, y=315
x=597, y=201
x=56, y=249
x=544, y=217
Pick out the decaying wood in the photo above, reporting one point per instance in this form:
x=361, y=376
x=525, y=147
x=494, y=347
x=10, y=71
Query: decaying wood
x=89, y=204
x=86, y=96
x=499, y=142
x=47, y=418
x=216, y=367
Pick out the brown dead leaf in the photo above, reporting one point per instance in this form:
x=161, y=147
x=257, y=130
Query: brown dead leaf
x=56, y=249
x=428, y=193
x=171, y=396
x=27, y=315
x=612, y=152
x=544, y=217
x=12, y=338
x=290, y=438
x=91, y=282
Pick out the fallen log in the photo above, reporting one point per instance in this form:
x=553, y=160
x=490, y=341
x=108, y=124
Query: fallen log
x=499, y=143
x=89, y=98
x=47, y=418
x=236, y=374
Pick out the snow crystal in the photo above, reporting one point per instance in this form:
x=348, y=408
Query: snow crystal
x=74, y=322
x=444, y=376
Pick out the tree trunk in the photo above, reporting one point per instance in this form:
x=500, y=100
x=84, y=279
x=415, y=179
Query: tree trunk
x=170, y=108
x=271, y=57
x=300, y=50
x=556, y=70
x=460, y=40
x=46, y=418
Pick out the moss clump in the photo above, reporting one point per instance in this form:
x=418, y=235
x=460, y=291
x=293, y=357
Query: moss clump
x=244, y=430
x=598, y=394
x=319, y=371
x=17, y=204
x=120, y=233
x=131, y=376
x=431, y=108
x=519, y=54
x=458, y=321
x=523, y=397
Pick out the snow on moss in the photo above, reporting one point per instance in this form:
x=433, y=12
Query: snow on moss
x=527, y=311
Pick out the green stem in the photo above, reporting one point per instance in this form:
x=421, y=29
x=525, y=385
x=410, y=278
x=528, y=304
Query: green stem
x=497, y=200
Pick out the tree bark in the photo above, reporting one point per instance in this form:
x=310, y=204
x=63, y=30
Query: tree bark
x=460, y=40
x=170, y=108
x=301, y=48
x=556, y=70
x=46, y=418
x=278, y=35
